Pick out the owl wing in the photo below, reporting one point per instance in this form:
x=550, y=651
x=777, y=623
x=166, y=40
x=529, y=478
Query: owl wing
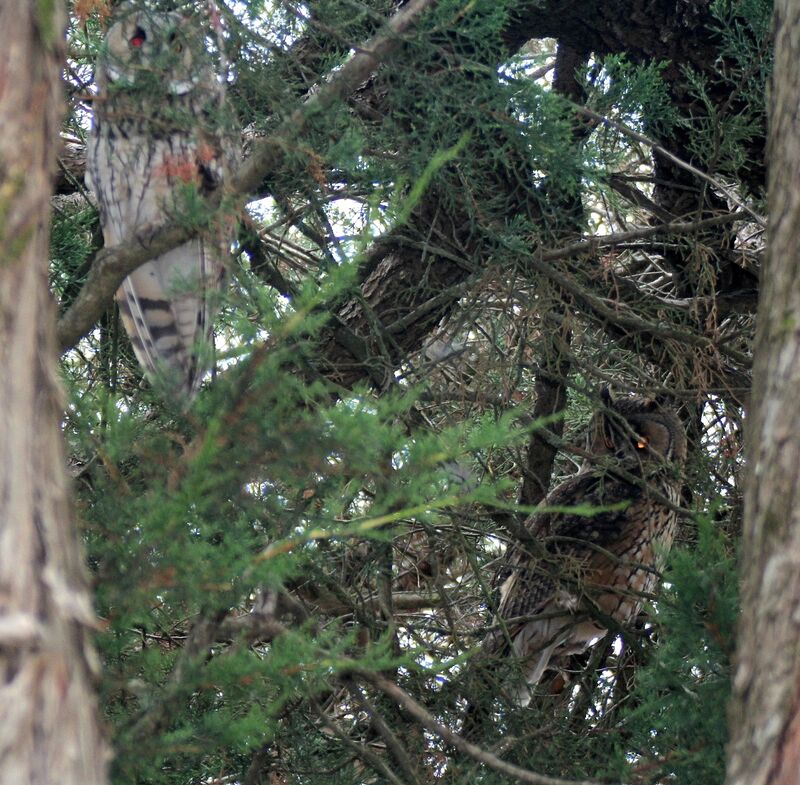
x=545, y=575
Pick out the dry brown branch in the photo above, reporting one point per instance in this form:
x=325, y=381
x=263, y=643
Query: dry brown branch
x=361, y=751
x=112, y=265
x=594, y=244
x=623, y=129
x=622, y=315
x=393, y=744
x=421, y=715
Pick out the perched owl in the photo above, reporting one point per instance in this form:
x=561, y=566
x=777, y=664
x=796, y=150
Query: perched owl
x=578, y=572
x=161, y=136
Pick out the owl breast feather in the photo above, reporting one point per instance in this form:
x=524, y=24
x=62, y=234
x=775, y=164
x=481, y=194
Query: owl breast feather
x=141, y=165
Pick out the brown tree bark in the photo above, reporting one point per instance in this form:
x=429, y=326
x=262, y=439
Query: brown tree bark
x=49, y=730
x=765, y=712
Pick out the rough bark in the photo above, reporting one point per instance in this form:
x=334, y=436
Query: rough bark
x=49, y=728
x=765, y=712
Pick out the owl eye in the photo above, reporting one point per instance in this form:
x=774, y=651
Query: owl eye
x=174, y=42
x=642, y=442
x=138, y=38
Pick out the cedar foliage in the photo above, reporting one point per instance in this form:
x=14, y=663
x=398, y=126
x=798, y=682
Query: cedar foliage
x=393, y=320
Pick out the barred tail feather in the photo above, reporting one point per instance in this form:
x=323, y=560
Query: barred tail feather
x=167, y=306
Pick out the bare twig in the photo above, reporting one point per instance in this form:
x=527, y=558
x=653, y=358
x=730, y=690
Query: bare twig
x=392, y=742
x=594, y=244
x=723, y=189
x=614, y=312
x=422, y=716
x=112, y=265
x=402, y=602
x=361, y=751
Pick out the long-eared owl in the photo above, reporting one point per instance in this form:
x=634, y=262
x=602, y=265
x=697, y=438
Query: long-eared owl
x=161, y=137
x=576, y=573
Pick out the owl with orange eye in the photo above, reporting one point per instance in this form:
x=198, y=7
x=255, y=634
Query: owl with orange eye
x=162, y=135
x=576, y=573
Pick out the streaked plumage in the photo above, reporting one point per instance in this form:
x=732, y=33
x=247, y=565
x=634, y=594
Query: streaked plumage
x=576, y=570
x=160, y=133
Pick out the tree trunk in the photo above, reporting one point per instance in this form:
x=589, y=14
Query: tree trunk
x=49, y=729
x=765, y=712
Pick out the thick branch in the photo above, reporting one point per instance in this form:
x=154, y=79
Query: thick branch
x=109, y=269
x=112, y=265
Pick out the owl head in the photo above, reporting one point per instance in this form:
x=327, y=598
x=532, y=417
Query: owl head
x=637, y=430
x=153, y=50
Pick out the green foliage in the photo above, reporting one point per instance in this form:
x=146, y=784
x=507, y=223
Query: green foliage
x=722, y=135
x=188, y=516
x=251, y=554
x=633, y=94
x=677, y=726
x=72, y=239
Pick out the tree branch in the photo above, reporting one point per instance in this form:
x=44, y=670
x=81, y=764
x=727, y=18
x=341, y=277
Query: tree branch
x=594, y=244
x=679, y=162
x=112, y=265
x=461, y=744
